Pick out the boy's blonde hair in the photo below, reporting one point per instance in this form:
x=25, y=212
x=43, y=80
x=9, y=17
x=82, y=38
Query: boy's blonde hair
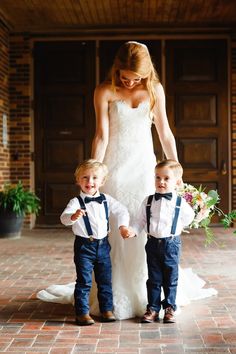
x=91, y=164
x=175, y=166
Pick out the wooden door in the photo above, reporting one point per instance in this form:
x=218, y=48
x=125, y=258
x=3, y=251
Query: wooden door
x=64, y=120
x=107, y=53
x=197, y=106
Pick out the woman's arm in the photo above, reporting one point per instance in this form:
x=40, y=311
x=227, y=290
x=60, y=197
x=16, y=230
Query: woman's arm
x=100, y=140
x=162, y=125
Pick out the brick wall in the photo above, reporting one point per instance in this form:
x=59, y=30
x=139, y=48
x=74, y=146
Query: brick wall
x=233, y=115
x=4, y=103
x=20, y=121
x=15, y=104
x=20, y=110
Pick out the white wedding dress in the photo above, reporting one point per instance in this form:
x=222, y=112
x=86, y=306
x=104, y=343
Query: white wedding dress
x=131, y=161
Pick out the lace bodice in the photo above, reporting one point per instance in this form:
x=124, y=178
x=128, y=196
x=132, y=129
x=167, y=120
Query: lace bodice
x=129, y=156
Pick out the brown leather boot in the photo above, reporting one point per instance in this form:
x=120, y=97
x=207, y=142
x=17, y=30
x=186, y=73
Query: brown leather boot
x=150, y=316
x=169, y=315
x=108, y=316
x=84, y=320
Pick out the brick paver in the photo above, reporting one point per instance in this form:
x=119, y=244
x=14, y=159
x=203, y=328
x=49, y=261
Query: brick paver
x=43, y=257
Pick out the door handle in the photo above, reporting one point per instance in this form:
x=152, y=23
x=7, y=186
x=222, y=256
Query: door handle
x=223, y=168
x=65, y=132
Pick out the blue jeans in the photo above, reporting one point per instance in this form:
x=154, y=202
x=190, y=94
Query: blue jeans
x=92, y=256
x=162, y=259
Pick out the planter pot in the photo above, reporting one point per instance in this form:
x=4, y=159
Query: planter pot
x=10, y=224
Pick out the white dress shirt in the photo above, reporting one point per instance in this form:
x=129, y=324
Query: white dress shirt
x=162, y=215
x=96, y=215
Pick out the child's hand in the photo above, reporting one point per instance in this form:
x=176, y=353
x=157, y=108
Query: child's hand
x=78, y=214
x=126, y=232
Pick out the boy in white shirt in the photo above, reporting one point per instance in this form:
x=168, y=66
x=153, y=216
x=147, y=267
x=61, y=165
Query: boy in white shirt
x=88, y=214
x=163, y=216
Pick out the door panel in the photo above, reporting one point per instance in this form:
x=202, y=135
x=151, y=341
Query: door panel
x=195, y=110
x=64, y=120
x=196, y=89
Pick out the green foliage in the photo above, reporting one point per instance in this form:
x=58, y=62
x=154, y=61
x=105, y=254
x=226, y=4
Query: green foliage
x=19, y=200
x=214, y=198
x=208, y=232
x=209, y=236
x=228, y=219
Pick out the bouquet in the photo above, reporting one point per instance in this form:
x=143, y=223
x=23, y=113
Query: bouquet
x=205, y=206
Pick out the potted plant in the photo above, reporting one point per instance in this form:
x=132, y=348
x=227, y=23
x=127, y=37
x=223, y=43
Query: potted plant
x=15, y=203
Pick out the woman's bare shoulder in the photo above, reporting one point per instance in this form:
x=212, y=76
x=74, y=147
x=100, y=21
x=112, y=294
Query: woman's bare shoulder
x=104, y=90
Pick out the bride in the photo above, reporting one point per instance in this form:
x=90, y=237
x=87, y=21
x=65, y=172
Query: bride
x=126, y=106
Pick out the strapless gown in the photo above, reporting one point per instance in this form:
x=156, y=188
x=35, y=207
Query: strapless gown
x=131, y=161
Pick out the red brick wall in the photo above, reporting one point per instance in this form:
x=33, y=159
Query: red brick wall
x=20, y=120
x=15, y=59
x=4, y=102
x=20, y=111
x=233, y=115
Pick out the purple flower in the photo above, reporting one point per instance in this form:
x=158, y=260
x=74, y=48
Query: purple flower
x=188, y=197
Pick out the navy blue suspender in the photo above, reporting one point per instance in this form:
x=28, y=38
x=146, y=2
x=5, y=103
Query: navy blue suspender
x=148, y=211
x=175, y=220
x=177, y=209
x=86, y=218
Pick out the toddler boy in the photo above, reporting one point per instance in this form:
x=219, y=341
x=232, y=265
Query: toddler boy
x=163, y=216
x=88, y=214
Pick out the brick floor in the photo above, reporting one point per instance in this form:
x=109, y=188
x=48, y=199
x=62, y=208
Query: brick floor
x=42, y=257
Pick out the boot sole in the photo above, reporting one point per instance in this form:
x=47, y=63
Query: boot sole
x=169, y=321
x=88, y=323
x=150, y=321
x=108, y=319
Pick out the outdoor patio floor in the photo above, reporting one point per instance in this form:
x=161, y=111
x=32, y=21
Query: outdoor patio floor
x=42, y=257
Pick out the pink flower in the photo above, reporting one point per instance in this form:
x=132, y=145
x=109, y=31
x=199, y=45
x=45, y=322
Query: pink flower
x=188, y=197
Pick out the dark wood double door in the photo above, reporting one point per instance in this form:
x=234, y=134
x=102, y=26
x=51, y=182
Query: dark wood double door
x=197, y=107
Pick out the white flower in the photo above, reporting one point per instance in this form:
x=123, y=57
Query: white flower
x=202, y=203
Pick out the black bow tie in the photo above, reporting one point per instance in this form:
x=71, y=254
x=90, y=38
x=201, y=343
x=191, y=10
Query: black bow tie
x=98, y=199
x=163, y=195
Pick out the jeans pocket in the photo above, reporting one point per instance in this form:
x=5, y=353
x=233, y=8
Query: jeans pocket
x=174, y=245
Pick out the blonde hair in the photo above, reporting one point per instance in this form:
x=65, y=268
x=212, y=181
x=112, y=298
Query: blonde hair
x=91, y=164
x=135, y=57
x=175, y=166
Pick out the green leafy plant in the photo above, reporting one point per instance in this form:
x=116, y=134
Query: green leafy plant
x=228, y=219
x=19, y=200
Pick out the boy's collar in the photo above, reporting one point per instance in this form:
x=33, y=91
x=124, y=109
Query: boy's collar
x=83, y=195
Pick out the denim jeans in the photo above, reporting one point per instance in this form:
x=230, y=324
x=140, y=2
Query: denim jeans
x=92, y=256
x=162, y=259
